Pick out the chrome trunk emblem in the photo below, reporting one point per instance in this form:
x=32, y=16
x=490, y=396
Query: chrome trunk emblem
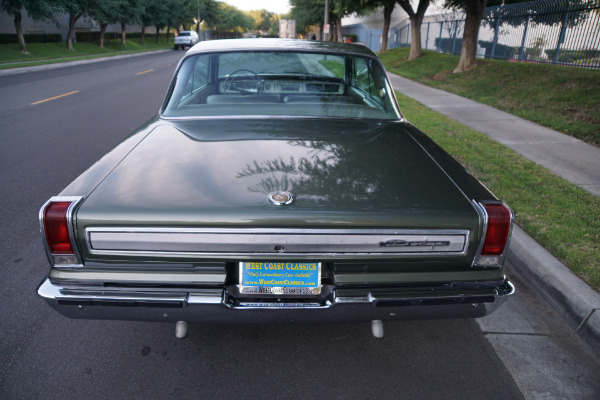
x=281, y=198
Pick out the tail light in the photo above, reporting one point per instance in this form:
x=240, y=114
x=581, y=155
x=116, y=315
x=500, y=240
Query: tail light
x=57, y=231
x=499, y=219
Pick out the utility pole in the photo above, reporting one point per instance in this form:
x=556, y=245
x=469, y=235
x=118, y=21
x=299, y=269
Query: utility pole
x=326, y=22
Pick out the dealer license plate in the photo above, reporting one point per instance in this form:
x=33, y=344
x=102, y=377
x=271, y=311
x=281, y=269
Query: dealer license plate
x=291, y=278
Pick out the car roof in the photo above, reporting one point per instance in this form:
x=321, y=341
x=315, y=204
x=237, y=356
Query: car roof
x=264, y=44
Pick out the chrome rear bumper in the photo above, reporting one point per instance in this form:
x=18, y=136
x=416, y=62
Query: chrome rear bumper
x=216, y=306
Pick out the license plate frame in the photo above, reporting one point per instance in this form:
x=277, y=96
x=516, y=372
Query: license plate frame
x=280, y=278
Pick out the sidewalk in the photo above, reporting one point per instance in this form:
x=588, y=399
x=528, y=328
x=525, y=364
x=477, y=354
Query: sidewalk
x=567, y=157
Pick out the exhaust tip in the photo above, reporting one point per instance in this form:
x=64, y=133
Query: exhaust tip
x=377, y=328
x=181, y=329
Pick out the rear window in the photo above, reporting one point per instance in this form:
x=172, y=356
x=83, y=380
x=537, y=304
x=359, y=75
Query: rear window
x=184, y=34
x=280, y=83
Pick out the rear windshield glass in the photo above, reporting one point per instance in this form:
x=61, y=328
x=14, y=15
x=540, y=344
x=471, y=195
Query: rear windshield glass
x=184, y=34
x=280, y=83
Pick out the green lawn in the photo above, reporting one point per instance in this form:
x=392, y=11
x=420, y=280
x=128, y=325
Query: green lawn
x=46, y=53
x=566, y=99
x=562, y=217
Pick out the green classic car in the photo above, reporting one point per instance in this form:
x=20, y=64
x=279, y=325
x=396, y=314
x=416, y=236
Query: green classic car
x=278, y=183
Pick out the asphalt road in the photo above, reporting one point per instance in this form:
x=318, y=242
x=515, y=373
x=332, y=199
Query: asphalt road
x=43, y=147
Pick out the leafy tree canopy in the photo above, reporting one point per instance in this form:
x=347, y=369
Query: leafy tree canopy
x=312, y=12
x=265, y=21
x=36, y=9
x=229, y=18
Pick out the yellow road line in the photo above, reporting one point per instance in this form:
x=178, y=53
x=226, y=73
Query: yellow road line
x=144, y=72
x=54, y=98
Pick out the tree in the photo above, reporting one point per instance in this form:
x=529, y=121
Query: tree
x=156, y=14
x=343, y=8
x=388, y=9
x=206, y=10
x=311, y=12
x=36, y=9
x=416, y=19
x=183, y=13
x=105, y=12
x=474, y=13
x=228, y=18
x=76, y=9
x=265, y=22
x=307, y=13
x=129, y=12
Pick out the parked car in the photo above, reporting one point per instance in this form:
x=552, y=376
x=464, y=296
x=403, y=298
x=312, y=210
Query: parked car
x=278, y=183
x=185, y=39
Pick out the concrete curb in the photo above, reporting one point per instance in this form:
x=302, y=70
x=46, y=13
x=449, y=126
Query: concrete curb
x=565, y=293
x=44, y=67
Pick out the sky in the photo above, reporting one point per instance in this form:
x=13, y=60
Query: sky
x=276, y=6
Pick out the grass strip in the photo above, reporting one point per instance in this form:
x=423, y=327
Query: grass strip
x=49, y=53
x=566, y=99
x=562, y=217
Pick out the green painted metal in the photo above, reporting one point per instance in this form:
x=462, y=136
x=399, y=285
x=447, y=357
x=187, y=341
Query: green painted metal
x=348, y=173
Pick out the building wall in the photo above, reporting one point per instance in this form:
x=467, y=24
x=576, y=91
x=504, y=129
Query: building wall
x=369, y=28
x=61, y=25
x=375, y=19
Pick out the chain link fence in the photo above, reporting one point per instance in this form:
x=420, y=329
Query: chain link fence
x=565, y=32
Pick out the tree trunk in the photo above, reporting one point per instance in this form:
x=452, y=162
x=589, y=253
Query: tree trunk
x=143, y=36
x=415, y=38
x=416, y=19
x=168, y=33
x=19, y=31
x=123, y=35
x=157, y=34
x=468, y=53
x=387, y=16
x=102, y=32
x=338, y=29
x=72, y=20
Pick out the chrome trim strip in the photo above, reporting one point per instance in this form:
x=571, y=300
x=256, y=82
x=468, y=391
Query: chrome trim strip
x=105, y=296
x=48, y=290
x=483, y=222
x=166, y=277
x=269, y=116
x=252, y=243
x=75, y=201
x=308, y=231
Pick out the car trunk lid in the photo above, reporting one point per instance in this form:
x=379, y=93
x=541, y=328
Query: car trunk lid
x=343, y=175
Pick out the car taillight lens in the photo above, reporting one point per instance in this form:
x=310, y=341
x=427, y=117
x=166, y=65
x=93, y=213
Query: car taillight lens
x=499, y=219
x=57, y=229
